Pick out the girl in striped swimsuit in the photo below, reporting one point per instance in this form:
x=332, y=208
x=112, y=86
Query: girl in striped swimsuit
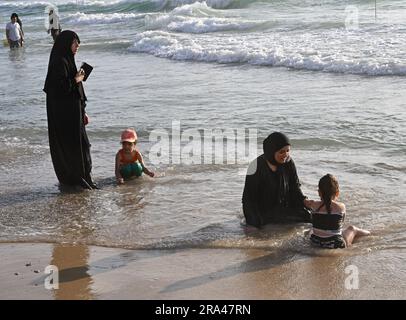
x=328, y=217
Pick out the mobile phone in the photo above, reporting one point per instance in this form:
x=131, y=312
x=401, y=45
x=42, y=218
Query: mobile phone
x=87, y=69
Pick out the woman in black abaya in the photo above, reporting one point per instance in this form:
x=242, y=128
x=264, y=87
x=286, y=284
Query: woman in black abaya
x=66, y=102
x=272, y=191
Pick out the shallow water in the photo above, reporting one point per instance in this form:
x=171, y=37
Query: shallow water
x=183, y=65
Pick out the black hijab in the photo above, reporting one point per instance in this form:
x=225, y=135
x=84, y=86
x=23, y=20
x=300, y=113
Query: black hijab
x=62, y=50
x=274, y=142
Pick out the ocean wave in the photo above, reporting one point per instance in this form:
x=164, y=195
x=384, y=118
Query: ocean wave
x=390, y=167
x=246, y=50
x=196, y=18
x=95, y=6
x=124, y=5
x=83, y=3
x=317, y=142
x=196, y=25
x=216, y=4
x=165, y=5
x=101, y=18
x=18, y=4
x=196, y=9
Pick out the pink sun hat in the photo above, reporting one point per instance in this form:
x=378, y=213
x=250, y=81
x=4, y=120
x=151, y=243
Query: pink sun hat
x=129, y=135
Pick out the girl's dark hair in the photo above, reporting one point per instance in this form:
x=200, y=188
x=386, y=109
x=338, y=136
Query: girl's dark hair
x=328, y=187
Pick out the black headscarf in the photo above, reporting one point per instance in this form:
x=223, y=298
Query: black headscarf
x=274, y=142
x=62, y=50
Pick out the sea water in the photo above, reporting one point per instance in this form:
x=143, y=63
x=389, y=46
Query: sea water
x=329, y=74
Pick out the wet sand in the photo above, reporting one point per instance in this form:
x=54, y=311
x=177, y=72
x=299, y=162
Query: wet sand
x=88, y=272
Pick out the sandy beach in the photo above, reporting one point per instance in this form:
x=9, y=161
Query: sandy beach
x=203, y=83
x=108, y=273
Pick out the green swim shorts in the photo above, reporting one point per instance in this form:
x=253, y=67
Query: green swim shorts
x=131, y=169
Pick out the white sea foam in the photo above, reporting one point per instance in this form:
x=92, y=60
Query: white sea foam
x=216, y=4
x=21, y=4
x=195, y=25
x=264, y=51
x=196, y=18
x=194, y=9
x=32, y=4
x=101, y=18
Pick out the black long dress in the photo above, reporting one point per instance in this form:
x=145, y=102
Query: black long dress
x=66, y=102
x=273, y=197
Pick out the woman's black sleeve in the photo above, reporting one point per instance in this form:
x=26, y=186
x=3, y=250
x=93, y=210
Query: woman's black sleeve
x=296, y=193
x=65, y=85
x=250, y=198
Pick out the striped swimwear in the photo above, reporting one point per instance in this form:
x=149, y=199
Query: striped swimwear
x=333, y=242
x=329, y=224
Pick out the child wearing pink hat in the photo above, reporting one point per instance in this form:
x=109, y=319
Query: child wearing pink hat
x=129, y=162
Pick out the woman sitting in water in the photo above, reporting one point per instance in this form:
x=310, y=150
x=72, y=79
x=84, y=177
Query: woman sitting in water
x=272, y=191
x=328, y=217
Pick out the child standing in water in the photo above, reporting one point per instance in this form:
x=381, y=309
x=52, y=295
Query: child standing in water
x=328, y=217
x=129, y=162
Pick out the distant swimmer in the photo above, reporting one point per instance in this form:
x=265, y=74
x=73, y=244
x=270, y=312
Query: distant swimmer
x=129, y=161
x=54, y=26
x=14, y=34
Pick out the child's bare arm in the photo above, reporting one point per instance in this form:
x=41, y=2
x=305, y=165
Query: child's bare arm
x=311, y=204
x=146, y=171
x=144, y=168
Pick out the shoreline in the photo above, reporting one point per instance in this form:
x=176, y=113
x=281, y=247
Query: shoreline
x=90, y=272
